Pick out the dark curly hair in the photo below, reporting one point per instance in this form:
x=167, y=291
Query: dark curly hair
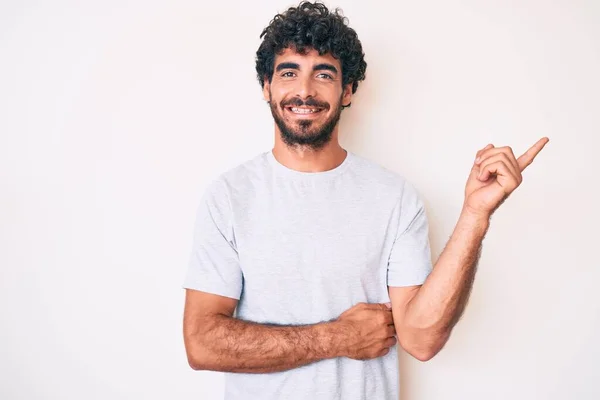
x=312, y=26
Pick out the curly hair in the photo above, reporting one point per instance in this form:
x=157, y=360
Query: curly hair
x=312, y=26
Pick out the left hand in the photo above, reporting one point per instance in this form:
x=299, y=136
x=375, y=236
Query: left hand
x=495, y=176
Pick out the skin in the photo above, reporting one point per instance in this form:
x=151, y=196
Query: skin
x=421, y=317
x=214, y=340
x=425, y=315
x=308, y=150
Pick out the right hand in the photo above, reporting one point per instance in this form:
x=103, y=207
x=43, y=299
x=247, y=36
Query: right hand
x=366, y=331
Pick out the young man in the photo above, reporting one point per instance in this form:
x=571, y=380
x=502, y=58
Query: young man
x=308, y=243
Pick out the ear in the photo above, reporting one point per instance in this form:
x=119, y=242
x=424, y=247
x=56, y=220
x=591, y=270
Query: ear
x=266, y=87
x=347, y=94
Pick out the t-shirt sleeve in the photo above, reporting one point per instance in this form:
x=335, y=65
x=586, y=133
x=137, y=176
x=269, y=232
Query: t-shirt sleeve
x=214, y=263
x=410, y=258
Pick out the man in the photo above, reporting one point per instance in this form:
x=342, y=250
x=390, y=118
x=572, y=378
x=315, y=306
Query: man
x=299, y=252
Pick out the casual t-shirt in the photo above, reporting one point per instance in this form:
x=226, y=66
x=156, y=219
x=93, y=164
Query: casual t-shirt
x=301, y=248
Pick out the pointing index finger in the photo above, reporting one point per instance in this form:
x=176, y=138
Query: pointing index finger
x=530, y=154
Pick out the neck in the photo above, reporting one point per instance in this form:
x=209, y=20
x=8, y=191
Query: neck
x=305, y=159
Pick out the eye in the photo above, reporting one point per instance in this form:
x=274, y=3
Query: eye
x=285, y=74
x=327, y=76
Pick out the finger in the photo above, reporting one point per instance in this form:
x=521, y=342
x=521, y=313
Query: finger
x=391, y=331
x=383, y=352
x=505, y=177
x=477, y=156
x=389, y=318
x=498, y=167
x=379, y=306
x=497, y=150
x=526, y=159
x=502, y=157
x=475, y=168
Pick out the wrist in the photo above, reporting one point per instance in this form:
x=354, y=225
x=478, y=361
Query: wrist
x=473, y=218
x=472, y=215
x=333, y=339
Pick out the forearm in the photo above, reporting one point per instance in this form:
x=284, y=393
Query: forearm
x=234, y=345
x=441, y=300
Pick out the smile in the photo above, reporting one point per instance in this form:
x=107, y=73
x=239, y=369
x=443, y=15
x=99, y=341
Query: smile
x=303, y=110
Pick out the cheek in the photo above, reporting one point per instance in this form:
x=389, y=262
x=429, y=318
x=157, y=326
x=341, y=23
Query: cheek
x=278, y=96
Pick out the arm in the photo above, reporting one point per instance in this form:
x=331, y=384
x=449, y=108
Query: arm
x=425, y=315
x=427, y=319
x=216, y=341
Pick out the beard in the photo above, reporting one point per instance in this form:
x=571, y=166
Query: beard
x=305, y=132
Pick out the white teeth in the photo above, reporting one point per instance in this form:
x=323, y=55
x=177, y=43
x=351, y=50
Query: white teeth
x=303, y=110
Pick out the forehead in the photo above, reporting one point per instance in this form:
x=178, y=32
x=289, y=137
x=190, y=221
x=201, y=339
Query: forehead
x=311, y=57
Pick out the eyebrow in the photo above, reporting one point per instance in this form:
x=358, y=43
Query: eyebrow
x=318, y=67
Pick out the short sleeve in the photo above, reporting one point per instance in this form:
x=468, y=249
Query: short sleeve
x=410, y=258
x=214, y=263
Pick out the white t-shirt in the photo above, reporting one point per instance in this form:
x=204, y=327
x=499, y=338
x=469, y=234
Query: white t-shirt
x=301, y=248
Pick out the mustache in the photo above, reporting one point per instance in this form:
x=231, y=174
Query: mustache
x=296, y=102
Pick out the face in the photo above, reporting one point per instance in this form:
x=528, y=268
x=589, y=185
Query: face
x=306, y=97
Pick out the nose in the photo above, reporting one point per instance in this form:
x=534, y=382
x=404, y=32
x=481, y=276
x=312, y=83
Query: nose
x=306, y=88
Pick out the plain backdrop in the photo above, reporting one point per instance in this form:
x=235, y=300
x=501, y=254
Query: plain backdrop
x=115, y=115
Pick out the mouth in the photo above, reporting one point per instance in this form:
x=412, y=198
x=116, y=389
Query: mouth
x=304, y=111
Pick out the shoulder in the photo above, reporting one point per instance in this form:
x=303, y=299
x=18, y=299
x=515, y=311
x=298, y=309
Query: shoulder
x=238, y=179
x=382, y=178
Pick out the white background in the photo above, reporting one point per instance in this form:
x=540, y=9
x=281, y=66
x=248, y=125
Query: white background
x=115, y=115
